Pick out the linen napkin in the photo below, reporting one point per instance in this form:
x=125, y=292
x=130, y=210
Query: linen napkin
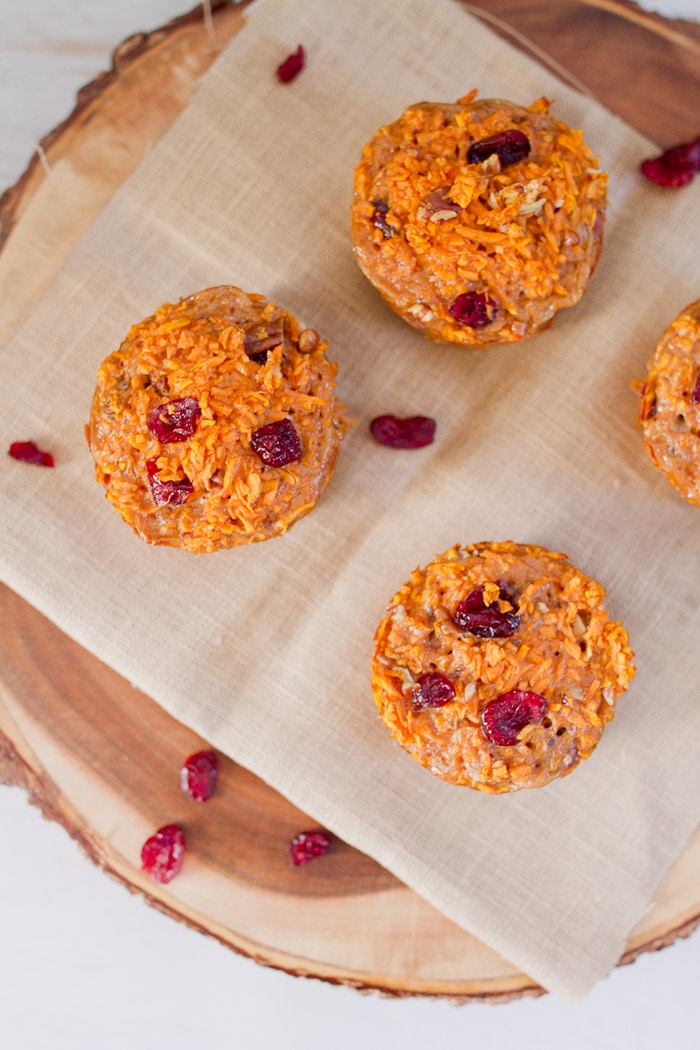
x=265, y=650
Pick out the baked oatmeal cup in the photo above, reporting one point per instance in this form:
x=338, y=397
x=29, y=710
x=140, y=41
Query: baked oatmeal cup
x=478, y=221
x=669, y=407
x=497, y=667
x=216, y=423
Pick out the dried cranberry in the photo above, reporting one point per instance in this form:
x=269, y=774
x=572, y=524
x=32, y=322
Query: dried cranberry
x=307, y=845
x=292, y=65
x=167, y=491
x=277, y=443
x=412, y=432
x=174, y=420
x=162, y=854
x=379, y=219
x=434, y=690
x=486, y=621
x=687, y=155
x=657, y=172
x=198, y=775
x=695, y=396
x=473, y=309
x=28, y=452
x=511, y=146
x=504, y=718
x=675, y=166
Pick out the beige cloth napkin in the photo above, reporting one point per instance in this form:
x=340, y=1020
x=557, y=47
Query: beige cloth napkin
x=265, y=650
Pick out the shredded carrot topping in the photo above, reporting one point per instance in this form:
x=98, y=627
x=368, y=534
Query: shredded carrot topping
x=669, y=404
x=563, y=648
x=245, y=363
x=526, y=234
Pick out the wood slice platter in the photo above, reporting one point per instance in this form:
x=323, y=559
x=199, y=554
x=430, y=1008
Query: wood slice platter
x=101, y=758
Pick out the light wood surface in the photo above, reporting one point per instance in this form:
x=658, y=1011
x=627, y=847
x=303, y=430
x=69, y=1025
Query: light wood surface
x=101, y=758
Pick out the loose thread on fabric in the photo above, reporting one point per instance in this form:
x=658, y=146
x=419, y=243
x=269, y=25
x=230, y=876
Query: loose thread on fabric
x=51, y=174
x=534, y=49
x=208, y=18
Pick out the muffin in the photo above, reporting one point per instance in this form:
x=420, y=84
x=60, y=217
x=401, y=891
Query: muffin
x=477, y=221
x=497, y=667
x=216, y=423
x=669, y=408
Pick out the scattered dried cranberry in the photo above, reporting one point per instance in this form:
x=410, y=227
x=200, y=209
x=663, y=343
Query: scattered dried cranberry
x=434, y=690
x=174, y=420
x=292, y=65
x=162, y=854
x=511, y=146
x=695, y=396
x=687, y=155
x=504, y=718
x=379, y=219
x=474, y=309
x=277, y=443
x=486, y=621
x=307, y=845
x=657, y=172
x=412, y=432
x=28, y=452
x=167, y=491
x=675, y=166
x=198, y=775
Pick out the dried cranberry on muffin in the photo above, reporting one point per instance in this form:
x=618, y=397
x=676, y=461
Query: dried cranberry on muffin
x=497, y=666
x=477, y=221
x=216, y=422
x=669, y=409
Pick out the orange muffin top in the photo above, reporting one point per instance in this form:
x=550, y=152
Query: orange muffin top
x=497, y=667
x=477, y=221
x=215, y=423
x=669, y=408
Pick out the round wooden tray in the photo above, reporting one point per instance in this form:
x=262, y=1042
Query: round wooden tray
x=102, y=758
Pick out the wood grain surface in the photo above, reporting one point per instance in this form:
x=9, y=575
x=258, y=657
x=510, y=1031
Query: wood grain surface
x=103, y=759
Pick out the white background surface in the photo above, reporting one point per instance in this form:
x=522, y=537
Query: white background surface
x=86, y=965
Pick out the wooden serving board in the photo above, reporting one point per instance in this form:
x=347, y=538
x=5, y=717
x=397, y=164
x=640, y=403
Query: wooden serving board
x=103, y=759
